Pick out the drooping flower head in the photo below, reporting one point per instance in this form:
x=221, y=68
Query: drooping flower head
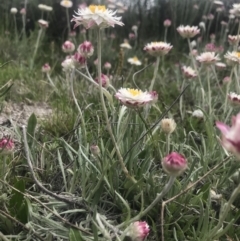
x=96, y=16
x=135, y=98
x=188, y=31
x=230, y=135
x=174, y=164
x=157, y=48
x=138, y=231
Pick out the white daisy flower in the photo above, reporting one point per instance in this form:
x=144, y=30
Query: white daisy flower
x=208, y=58
x=232, y=57
x=189, y=72
x=96, y=16
x=188, y=31
x=66, y=3
x=235, y=10
x=126, y=45
x=158, y=48
x=234, y=98
x=134, y=61
x=134, y=98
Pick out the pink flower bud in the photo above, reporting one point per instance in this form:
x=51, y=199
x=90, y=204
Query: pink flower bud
x=167, y=23
x=230, y=135
x=138, y=231
x=131, y=36
x=86, y=49
x=79, y=60
x=6, y=146
x=105, y=80
x=23, y=11
x=174, y=164
x=154, y=95
x=46, y=68
x=107, y=65
x=68, y=47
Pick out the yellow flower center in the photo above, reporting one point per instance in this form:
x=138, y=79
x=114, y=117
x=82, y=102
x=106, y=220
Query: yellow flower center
x=135, y=59
x=66, y=2
x=238, y=54
x=134, y=92
x=93, y=8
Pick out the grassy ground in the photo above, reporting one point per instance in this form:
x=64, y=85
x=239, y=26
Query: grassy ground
x=54, y=186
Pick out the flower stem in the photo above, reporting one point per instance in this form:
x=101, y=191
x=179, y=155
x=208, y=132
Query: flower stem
x=109, y=128
x=155, y=73
x=36, y=47
x=78, y=107
x=158, y=198
x=216, y=232
x=209, y=93
x=15, y=25
x=68, y=21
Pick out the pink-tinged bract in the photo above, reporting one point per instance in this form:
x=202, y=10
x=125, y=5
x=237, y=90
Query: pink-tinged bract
x=174, y=164
x=230, y=135
x=86, y=49
x=68, y=47
x=105, y=80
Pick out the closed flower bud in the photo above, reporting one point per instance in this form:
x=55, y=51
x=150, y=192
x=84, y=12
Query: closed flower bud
x=79, y=60
x=68, y=47
x=46, y=68
x=105, y=80
x=198, y=114
x=107, y=65
x=168, y=125
x=86, y=49
x=167, y=23
x=6, y=146
x=138, y=231
x=174, y=164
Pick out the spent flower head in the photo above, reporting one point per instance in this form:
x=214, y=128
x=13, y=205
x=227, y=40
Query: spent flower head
x=168, y=125
x=42, y=23
x=96, y=16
